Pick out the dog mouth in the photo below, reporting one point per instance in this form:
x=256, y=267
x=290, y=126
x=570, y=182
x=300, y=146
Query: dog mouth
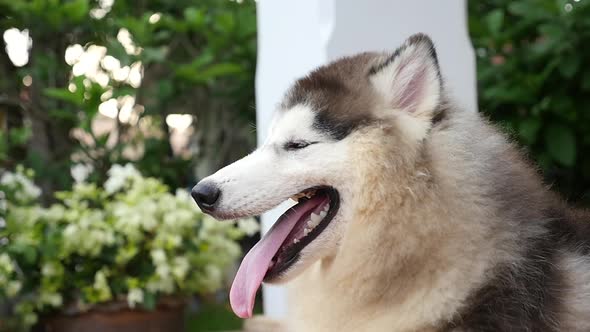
x=281, y=246
x=320, y=206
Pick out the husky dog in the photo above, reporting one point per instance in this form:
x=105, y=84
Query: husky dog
x=412, y=214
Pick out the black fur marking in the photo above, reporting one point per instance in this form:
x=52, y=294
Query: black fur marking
x=332, y=93
x=377, y=68
x=524, y=296
x=419, y=38
x=574, y=234
x=314, y=86
x=441, y=119
x=439, y=116
x=336, y=128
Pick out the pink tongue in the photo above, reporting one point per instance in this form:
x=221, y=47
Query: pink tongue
x=257, y=261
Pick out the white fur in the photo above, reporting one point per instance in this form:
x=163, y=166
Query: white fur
x=270, y=175
x=576, y=270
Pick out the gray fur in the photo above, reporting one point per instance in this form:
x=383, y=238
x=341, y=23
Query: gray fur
x=443, y=224
x=528, y=291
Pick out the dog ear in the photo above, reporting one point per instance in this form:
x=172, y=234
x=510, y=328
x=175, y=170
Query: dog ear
x=409, y=80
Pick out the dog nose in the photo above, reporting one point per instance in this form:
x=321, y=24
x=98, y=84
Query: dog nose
x=206, y=195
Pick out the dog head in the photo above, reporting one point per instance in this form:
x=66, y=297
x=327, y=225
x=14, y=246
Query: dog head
x=335, y=132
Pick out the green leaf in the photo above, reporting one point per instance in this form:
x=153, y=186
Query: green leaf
x=65, y=95
x=519, y=8
x=529, y=129
x=225, y=22
x=194, y=17
x=561, y=144
x=220, y=69
x=154, y=54
x=28, y=252
x=63, y=115
x=76, y=10
x=530, y=10
x=20, y=136
x=569, y=65
x=165, y=89
x=124, y=91
x=192, y=70
x=149, y=300
x=101, y=140
x=586, y=80
x=494, y=21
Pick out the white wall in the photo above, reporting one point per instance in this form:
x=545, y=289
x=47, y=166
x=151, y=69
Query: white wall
x=296, y=36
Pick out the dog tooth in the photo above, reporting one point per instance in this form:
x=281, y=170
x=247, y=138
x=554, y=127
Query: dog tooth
x=306, y=231
x=315, y=218
x=311, y=224
x=295, y=241
x=323, y=214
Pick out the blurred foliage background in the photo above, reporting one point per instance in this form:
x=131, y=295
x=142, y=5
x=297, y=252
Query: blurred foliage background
x=533, y=68
x=105, y=82
x=168, y=85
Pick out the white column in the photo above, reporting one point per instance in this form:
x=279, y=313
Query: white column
x=294, y=37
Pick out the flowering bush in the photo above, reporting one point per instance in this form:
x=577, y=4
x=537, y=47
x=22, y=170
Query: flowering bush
x=130, y=242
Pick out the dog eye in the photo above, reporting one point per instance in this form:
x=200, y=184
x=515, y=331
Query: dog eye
x=297, y=145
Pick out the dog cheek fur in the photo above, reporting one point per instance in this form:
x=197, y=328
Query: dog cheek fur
x=383, y=250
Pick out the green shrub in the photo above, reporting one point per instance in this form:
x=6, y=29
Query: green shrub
x=533, y=68
x=149, y=59
x=129, y=243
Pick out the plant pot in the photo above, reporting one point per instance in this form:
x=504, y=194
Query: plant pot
x=162, y=319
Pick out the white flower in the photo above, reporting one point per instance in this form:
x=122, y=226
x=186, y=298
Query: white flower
x=158, y=256
x=8, y=179
x=52, y=299
x=249, y=226
x=212, y=277
x=183, y=195
x=118, y=175
x=180, y=267
x=6, y=263
x=102, y=286
x=30, y=319
x=51, y=269
x=71, y=231
x=80, y=172
x=161, y=285
x=27, y=189
x=163, y=271
x=134, y=297
x=3, y=205
x=13, y=288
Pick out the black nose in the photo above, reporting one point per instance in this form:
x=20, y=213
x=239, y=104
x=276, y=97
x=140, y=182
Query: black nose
x=206, y=195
